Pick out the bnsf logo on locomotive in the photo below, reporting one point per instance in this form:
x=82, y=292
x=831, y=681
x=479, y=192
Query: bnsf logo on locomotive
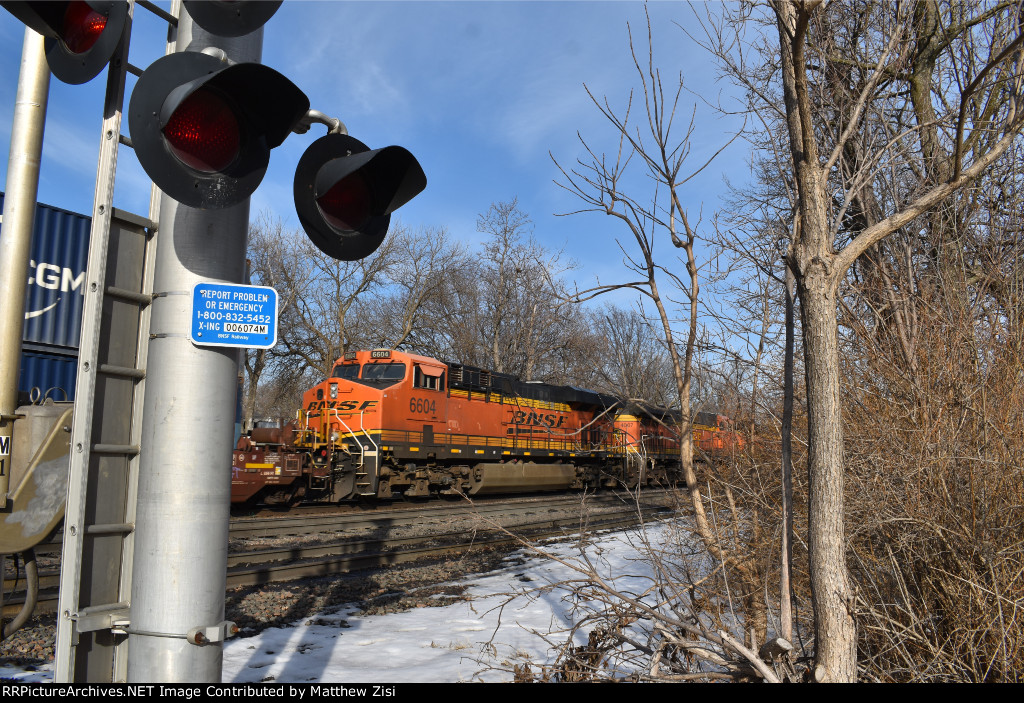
x=341, y=404
x=521, y=417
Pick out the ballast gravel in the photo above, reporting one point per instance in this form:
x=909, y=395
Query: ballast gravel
x=254, y=608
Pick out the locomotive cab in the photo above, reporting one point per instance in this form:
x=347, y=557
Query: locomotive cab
x=373, y=397
x=378, y=389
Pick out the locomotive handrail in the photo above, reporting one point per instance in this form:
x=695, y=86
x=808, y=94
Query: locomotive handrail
x=468, y=440
x=376, y=448
x=306, y=428
x=362, y=452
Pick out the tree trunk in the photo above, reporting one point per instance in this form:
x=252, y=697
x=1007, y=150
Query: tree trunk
x=785, y=587
x=835, y=630
x=814, y=264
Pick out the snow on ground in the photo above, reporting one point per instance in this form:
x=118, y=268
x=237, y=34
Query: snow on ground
x=476, y=640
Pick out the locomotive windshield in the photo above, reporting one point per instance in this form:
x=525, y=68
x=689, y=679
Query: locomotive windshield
x=349, y=372
x=383, y=372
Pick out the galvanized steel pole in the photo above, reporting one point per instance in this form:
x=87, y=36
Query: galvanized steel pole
x=179, y=572
x=16, y=242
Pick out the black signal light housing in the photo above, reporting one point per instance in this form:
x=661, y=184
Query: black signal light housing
x=231, y=18
x=345, y=193
x=203, y=130
x=81, y=37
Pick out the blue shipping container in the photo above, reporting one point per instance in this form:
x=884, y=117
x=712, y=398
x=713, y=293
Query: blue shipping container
x=54, y=375
x=54, y=296
x=55, y=280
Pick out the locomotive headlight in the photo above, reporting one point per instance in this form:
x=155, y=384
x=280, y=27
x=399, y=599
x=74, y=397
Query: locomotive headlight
x=335, y=436
x=334, y=390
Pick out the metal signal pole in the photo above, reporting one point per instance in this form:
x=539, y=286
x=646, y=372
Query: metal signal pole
x=180, y=563
x=16, y=243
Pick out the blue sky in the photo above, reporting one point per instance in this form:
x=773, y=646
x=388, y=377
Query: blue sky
x=480, y=92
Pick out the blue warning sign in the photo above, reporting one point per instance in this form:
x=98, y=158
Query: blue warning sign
x=232, y=315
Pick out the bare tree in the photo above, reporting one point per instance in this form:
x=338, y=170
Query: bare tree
x=275, y=260
x=652, y=220
x=524, y=312
x=631, y=359
x=325, y=322
x=453, y=330
x=402, y=314
x=839, y=66
x=503, y=308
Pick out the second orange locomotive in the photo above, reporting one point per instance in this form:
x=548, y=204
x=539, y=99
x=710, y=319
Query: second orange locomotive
x=390, y=423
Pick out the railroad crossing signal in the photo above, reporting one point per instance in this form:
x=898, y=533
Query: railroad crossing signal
x=203, y=131
x=345, y=193
x=81, y=37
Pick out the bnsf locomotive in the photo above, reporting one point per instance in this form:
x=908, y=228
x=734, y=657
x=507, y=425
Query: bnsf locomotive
x=388, y=423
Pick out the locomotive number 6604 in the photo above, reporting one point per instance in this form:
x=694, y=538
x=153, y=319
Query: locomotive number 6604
x=422, y=406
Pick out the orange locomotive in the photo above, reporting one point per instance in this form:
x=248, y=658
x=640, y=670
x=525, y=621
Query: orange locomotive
x=390, y=423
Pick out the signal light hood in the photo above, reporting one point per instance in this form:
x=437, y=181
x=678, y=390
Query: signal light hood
x=345, y=193
x=81, y=37
x=231, y=18
x=265, y=105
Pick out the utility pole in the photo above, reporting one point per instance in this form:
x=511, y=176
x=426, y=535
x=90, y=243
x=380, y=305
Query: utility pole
x=16, y=242
x=184, y=494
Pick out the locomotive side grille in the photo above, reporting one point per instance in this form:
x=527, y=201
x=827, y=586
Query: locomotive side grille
x=538, y=404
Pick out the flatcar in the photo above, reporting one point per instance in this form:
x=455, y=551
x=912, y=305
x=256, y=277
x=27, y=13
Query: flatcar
x=389, y=423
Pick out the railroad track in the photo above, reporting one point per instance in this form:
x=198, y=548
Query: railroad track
x=251, y=568
x=332, y=545
x=496, y=508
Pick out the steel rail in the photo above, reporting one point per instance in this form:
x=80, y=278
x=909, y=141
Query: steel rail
x=277, y=565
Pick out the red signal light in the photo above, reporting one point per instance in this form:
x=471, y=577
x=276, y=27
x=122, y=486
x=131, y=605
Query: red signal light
x=345, y=193
x=82, y=27
x=81, y=37
x=346, y=205
x=204, y=132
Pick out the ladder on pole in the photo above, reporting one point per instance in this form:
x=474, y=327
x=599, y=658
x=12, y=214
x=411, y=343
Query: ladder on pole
x=99, y=519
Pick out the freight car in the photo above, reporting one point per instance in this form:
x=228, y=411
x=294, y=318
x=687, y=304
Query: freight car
x=389, y=423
